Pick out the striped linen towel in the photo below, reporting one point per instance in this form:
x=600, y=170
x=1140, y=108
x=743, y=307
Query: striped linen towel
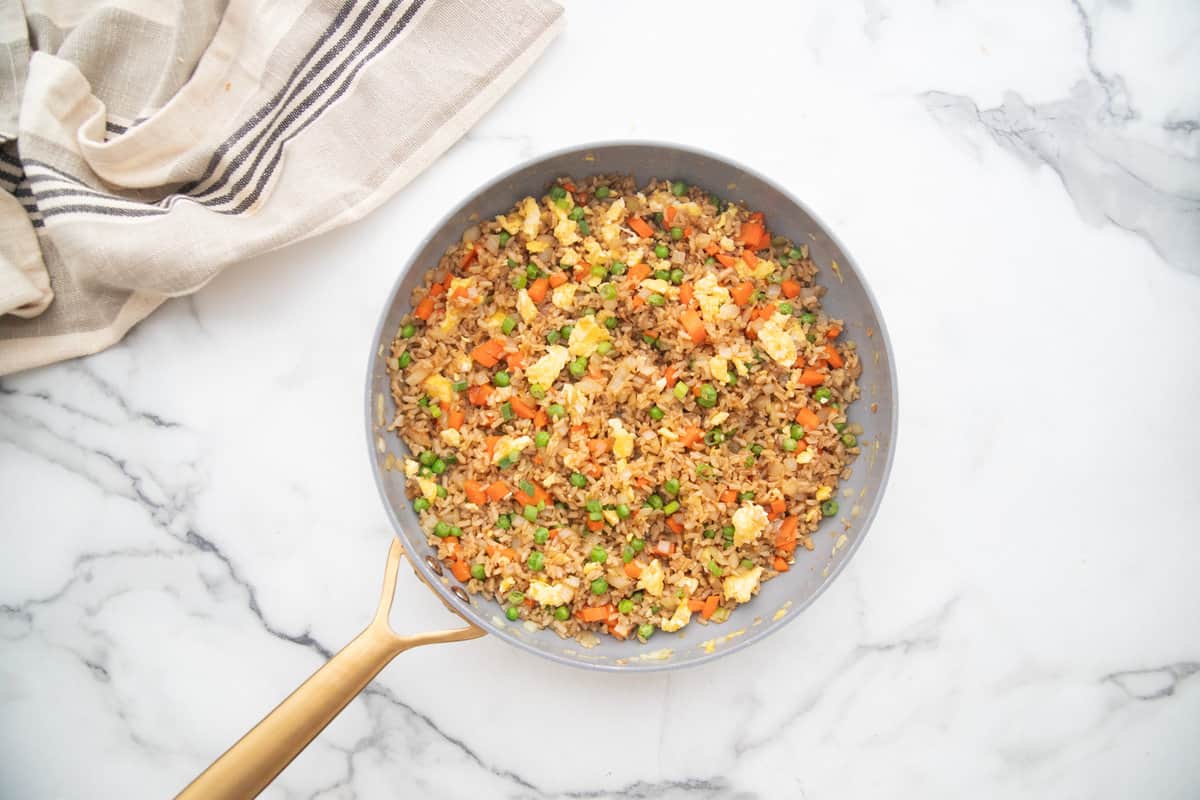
x=147, y=144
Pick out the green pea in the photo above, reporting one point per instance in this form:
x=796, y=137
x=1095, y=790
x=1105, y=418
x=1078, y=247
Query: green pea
x=681, y=391
x=679, y=188
x=618, y=268
x=592, y=505
x=435, y=411
x=427, y=458
x=576, y=213
x=504, y=237
x=512, y=263
x=707, y=397
x=625, y=606
x=541, y=439
x=455, y=530
x=788, y=445
x=408, y=331
x=552, y=337
x=715, y=568
x=441, y=491
x=709, y=533
x=530, y=513
x=822, y=395
x=797, y=431
x=541, y=535
x=671, y=507
x=516, y=598
x=638, y=544
x=596, y=516
x=671, y=487
x=578, y=480
x=676, y=233
x=785, y=308
x=442, y=529
x=557, y=192
x=645, y=631
x=506, y=462
x=538, y=391
x=508, y=325
x=536, y=561
x=578, y=367
x=807, y=318
x=654, y=501
x=627, y=553
x=608, y=292
x=656, y=300
x=438, y=467
x=745, y=497
x=601, y=192
x=849, y=439
x=504, y=522
x=658, y=218
x=714, y=437
x=703, y=470
x=746, y=563
x=519, y=281
x=599, y=586
x=812, y=337
x=756, y=449
x=795, y=253
x=656, y=413
x=554, y=410
x=420, y=504
x=513, y=613
x=727, y=533
x=565, y=331
x=677, y=276
x=661, y=250
x=532, y=272
x=611, y=323
x=478, y=572
x=404, y=360
x=598, y=554
x=461, y=386
x=604, y=348
x=829, y=508
x=839, y=426
x=562, y=613
x=506, y=411
x=708, y=262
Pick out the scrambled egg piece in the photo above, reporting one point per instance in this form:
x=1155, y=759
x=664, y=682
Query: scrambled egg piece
x=652, y=578
x=564, y=296
x=824, y=493
x=576, y=401
x=805, y=456
x=439, y=388
x=532, y=223
x=492, y=325
x=510, y=447
x=545, y=370
x=526, y=307
x=456, y=303
x=761, y=270
x=452, y=437
x=749, y=522
x=622, y=439
x=777, y=341
x=610, y=233
x=711, y=295
x=739, y=587
x=566, y=231
x=507, y=583
x=411, y=468
x=615, y=212
x=719, y=369
x=586, y=336
x=656, y=285
x=569, y=257
x=681, y=617
x=550, y=594
x=428, y=488
x=510, y=224
x=537, y=246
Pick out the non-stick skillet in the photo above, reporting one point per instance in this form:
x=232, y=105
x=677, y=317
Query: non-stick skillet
x=247, y=767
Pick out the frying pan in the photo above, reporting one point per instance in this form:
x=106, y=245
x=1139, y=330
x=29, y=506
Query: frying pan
x=254, y=761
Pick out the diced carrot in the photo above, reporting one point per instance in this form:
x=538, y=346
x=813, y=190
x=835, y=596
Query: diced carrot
x=514, y=360
x=779, y=505
x=726, y=259
x=670, y=214
x=538, y=289
x=461, y=570
x=833, y=332
x=640, y=227
x=595, y=471
x=459, y=292
x=757, y=216
x=767, y=311
x=554, y=533
x=437, y=290
x=619, y=630
x=474, y=491
x=478, y=395
x=469, y=256
x=752, y=234
x=688, y=231
x=523, y=409
x=541, y=419
x=669, y=374
x=695, y=605
x=638, y=272
x=597, y=447
x=742, y=292
x=490, y=445
x=728, y=496
x=785, y=539
x=694, y=325
x=674, y=524
x=780, y=564
x=488, y=353
x=810, y=377
x=686, y=292
x=570, y=187
x=541, y=495
x=424, y=308
x=808, y=419
x=497, y=490
x=664, y=547
x=642, y=481
x=595, y=613
x=595, y=524
x=557, y=279
x=581, y=270
x=710, y=606
x=711, y=248
x=638, y=301
x=633, y=569
x=452, y=547
x=749, y=257
x=691, y=435
x=790, y=289
x=581, y=428
x=835, y=358
x=455, y=418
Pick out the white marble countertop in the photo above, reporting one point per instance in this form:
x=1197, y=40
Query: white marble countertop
x=190, y=527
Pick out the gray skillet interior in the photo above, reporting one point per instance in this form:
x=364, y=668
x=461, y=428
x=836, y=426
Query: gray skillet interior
x=848, y=297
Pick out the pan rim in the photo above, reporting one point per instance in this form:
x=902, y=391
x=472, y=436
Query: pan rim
x=640, y=666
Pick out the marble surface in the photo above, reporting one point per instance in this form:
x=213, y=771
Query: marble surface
x=188, y=527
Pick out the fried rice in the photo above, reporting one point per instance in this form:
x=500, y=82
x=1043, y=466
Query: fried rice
x=625, y=408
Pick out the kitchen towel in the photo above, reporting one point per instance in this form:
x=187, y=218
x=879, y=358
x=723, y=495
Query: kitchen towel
x=145, y=145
